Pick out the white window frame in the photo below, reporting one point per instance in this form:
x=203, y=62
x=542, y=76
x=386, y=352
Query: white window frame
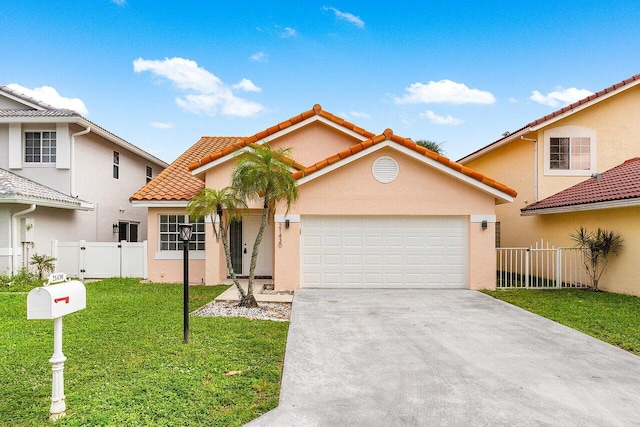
x=55, y=147
x=570, y=132
x=149, y=173
x=116, y=165
x=197, y=243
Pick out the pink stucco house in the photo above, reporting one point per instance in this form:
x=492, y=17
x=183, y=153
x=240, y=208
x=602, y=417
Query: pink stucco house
x=375, y=210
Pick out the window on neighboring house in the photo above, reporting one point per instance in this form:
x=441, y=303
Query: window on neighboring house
x=40, y=147
x=170, y=233
x=570, y=153
x=116, y=165
x=497, y=234
x=149, y=173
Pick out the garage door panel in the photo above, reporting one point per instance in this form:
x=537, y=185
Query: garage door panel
x=384, y=251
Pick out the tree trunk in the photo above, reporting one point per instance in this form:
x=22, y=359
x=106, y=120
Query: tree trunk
x=249, y=301
x=254, y=253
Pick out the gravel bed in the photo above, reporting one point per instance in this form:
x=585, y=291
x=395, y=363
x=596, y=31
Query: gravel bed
x=267, y=311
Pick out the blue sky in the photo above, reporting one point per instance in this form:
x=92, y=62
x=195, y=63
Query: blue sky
x=160, y=74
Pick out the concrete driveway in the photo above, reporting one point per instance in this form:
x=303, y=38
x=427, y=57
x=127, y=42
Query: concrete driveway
x=445, y=357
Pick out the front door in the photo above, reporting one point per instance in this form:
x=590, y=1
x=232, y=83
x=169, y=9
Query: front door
x=242, y=236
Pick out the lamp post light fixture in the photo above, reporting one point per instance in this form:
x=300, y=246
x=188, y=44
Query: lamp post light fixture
x=185, y=236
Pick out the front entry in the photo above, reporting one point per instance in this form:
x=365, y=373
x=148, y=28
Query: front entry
x=242, y=235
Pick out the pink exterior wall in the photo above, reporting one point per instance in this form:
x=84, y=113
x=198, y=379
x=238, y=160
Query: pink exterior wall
x=418, y=190
x=163, y=270
x=313, y=142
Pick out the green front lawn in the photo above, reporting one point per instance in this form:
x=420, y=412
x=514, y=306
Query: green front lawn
x=126, y=363
x=613, y=318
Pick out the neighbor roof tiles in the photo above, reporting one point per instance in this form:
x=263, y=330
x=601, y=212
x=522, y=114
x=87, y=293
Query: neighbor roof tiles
x=560, y=112
x=14, y=186
x=176, y=183
x=619, y=183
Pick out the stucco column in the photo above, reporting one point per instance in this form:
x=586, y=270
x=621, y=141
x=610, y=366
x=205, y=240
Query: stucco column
x=482, y=256
x=286, y=266
x=214, y=254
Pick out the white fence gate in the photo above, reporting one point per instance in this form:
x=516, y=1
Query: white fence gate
x=541, y=267
x=100, y=260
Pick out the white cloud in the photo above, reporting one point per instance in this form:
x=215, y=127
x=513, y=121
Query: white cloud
x=359, y=115
x=119, y=2
x=288, y=32
x=247, y=86
x=50, y=96
x=260, y=56
x=441, y=120
x=513, y=100
x=560, y=96
x=212, y=96
x=445, y=92
x=161, y=125
x=345, y=16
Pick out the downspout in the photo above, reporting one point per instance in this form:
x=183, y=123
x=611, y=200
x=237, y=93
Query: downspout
x=535, y=166
x=14, y=235
x=71, y=159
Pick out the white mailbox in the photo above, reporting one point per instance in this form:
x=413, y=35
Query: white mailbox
x=49, y=302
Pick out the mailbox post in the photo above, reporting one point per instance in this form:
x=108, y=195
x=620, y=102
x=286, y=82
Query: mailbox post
x=53, y=301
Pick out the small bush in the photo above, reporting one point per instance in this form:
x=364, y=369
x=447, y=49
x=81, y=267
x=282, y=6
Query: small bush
x=22, y=281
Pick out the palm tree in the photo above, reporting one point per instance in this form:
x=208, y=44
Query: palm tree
x=222, y=207
x=596, y=248
x=263, y=174
x=431, y=145
x=43, y=263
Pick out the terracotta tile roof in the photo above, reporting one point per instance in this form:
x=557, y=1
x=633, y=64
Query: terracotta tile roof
x=560, y=112
x=619, y=183
x=176, y=183
x=315, y=111
x=406, y=142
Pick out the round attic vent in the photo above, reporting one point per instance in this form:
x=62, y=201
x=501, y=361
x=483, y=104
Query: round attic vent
x=384, y=169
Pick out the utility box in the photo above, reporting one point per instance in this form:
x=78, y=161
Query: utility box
x=27, y=231
x=50, y=302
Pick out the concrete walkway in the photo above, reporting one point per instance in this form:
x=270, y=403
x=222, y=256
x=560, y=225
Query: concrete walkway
x=445, y=358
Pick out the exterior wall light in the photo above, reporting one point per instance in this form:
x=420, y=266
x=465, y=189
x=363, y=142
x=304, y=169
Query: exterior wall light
x=484, y=224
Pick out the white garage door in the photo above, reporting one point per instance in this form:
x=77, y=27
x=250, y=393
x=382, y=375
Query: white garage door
x=369, y=252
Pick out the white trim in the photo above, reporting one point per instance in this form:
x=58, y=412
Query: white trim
x=571, y=131
x=179, y=254
x=84, y=206
x=414, y=154
x=480, y=218
x=283, y=132
x=625, y=203
x=282, y=218
x=160, y=203
x=5, y=252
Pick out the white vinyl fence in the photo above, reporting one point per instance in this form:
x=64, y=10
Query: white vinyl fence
x=542, y=267
x=99, y=260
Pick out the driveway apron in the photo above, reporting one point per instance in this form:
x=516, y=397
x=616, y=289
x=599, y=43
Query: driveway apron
x=358, y=357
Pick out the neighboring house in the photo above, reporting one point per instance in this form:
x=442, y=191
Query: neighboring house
x=63, y=177
x=556, y=164
x=374, y=211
